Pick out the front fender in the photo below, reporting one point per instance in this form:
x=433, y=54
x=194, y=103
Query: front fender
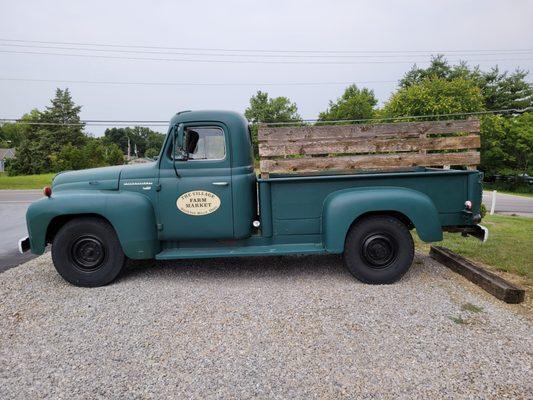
x=131, y=215
x=343, y=207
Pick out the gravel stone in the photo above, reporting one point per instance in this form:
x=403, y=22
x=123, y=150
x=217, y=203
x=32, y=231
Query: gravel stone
x=279, y=327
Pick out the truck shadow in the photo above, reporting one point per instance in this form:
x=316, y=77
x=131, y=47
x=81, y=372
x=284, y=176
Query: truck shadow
x=285, y=267
x=240, y=267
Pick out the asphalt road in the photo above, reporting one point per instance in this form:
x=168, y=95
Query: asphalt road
x=509, y=204
x=13, y=205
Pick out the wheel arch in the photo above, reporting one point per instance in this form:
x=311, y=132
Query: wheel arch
x=59, y=221
x=130, y=214
x=344, y=208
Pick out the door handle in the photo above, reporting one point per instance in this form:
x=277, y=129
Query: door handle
x=220, y=183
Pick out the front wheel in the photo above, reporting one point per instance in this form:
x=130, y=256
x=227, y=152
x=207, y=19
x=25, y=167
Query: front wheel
x=86, y=252
x=378, y=250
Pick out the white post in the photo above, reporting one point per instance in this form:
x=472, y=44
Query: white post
x=493, y=204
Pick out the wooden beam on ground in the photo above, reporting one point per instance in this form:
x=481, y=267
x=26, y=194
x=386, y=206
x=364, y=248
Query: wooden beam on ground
x=490, y=282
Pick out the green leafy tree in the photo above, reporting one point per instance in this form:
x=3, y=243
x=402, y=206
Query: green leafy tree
x=11, y=135
x=140, y=138
x=435, y=96
x=43, y=139
x=265, y=109
x=500, y=90
x=355, y=103
x=507, y=144
x=151, y=153
x=114, y=155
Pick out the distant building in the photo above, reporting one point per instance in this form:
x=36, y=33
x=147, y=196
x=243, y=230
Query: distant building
x=4, y=155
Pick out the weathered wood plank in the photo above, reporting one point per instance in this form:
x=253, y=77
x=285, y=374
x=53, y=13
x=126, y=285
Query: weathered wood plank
x=396, y=129
x=375, y=161
x=492, y=283
x=357, y=145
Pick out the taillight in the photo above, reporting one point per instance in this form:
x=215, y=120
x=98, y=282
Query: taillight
x=47, y=191
x=468, y=205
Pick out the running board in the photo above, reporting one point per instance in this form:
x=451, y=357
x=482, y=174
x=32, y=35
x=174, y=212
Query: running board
x=240, y=251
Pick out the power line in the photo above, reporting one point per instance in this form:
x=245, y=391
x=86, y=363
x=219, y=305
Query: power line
x=506, y=111
x=261, y=50
x=195, y=83
x=494, y=53
x=100, y=122
x=210, y=61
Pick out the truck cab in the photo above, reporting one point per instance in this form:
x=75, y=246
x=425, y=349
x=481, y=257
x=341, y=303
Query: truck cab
x=201, y=198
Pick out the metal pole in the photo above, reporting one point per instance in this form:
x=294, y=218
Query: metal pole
x=493, y=203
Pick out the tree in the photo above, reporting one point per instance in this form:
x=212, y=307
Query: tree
x=507, y=144
x=355, y=103
x=151, y=153
x=11, y=134
x=265, y=109
x=500, y=91
x=114, y=156
x=140, y=138
x=43, y=139
x=435, y=96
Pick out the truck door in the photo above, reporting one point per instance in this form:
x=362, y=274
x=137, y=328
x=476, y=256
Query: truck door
x=197, y=202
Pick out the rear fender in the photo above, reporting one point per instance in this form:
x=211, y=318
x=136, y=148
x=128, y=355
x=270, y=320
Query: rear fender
x=343, y=207
x=131, y=215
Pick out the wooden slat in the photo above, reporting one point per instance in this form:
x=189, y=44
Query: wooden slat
x=397, y=129
x=375, y=162
x=357, y=145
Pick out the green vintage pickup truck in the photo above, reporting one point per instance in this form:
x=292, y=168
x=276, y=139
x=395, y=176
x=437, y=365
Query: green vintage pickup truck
x=201, y=199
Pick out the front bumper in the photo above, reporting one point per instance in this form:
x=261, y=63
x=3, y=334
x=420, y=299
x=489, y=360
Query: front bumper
x=24, y=244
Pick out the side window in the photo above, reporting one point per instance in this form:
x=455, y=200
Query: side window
x=205, y=143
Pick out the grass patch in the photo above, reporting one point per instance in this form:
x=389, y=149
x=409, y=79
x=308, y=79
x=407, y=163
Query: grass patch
x=518, y=190
x=508, y=248
x=471, y=308
x=25, y=181
x=458, y=320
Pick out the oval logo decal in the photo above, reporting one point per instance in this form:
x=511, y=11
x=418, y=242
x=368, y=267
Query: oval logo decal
x=198, y=202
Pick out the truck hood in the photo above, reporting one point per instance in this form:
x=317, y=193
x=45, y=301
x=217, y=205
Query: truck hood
x=106, y=178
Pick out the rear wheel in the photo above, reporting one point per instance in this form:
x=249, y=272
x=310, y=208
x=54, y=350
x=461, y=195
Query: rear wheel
x=86, y=252
x=378, y=250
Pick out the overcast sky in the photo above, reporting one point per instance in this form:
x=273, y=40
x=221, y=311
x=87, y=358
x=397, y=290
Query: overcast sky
x=274, y=25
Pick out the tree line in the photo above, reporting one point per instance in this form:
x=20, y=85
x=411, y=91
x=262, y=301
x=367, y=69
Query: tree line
x=55, y=140
x=441, y=88
x=437, y=91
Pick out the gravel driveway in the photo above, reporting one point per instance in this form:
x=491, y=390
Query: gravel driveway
x=291, y=327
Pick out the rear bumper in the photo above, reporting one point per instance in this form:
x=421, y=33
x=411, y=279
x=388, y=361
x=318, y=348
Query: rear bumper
x=478, y=231
x=24, y=244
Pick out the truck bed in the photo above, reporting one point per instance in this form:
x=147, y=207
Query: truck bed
x=292, y=204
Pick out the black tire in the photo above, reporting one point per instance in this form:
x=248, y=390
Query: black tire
x=86, y=252
x=378, y=250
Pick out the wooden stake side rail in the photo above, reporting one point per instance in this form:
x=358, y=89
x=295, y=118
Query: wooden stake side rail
x=368, y=147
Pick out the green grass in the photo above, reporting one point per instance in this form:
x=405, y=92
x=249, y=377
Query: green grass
x=471, y=308
x=458, y=320
x=25, y=181
x=508, y=248
x=517, y=190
